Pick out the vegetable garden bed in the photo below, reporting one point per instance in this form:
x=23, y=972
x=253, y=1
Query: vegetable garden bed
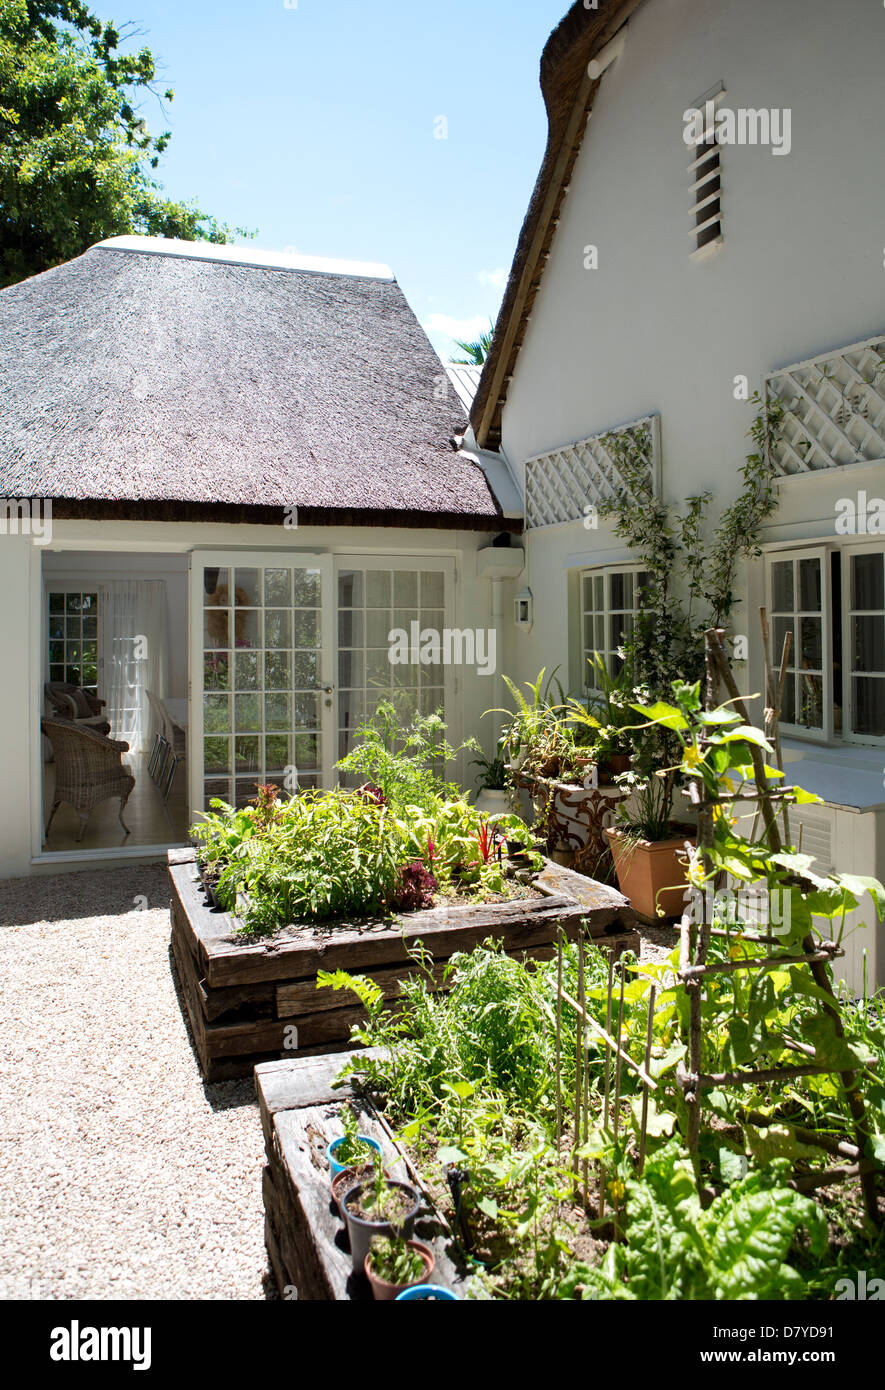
x=305, y=1238
x=254, y=1001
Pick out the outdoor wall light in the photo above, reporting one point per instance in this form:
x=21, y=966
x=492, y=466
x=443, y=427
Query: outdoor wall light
x=522, y=609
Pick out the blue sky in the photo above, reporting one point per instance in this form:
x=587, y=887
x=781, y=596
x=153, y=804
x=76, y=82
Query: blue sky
x=316, y=125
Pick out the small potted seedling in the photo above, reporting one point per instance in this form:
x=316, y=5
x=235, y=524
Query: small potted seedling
x=394, y=1264
x=345, y=1180
x=379, y=1206
x=351, y=1149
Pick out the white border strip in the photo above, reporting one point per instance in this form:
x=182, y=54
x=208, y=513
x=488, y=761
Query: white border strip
x=245, y=256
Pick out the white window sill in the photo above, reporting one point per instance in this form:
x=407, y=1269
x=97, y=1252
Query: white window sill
x=845, y=777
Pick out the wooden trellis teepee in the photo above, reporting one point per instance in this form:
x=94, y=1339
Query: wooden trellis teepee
x=695, y=941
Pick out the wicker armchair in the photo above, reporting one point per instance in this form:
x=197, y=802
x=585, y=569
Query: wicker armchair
x=88, y=769
x=70, y=702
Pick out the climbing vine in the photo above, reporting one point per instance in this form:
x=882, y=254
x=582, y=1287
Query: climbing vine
x=690, y=573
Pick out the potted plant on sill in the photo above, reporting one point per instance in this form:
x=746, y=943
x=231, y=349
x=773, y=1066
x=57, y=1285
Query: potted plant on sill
x=532, y=737
x=603, y=721
x=648, y=848
x=394, y=1264
x=492, y=795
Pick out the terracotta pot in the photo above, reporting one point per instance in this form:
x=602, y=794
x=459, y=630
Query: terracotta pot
x=345, y=1180
x=381, y=1289
x=651, y=873
x=619, y=762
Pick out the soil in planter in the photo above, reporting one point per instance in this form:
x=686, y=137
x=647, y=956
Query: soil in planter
x=395, y=1206
x=514, y=889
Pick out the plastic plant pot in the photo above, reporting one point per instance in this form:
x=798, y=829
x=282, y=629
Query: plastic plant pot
x=387, y=1292
x=337, y=1167
x=345, y=1180
x=427, y=1291
x=361, y=1231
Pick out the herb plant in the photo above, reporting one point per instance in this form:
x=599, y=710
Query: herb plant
x=393, y=1260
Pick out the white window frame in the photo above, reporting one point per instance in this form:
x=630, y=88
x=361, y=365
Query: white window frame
x=848, y=736
x=442, y=564
x=828, y=734
x=60, y=585
x=605, y=572
x=822, y=554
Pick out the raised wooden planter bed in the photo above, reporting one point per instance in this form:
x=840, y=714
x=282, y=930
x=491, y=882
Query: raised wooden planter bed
x=242, y=996
x=306, y=1241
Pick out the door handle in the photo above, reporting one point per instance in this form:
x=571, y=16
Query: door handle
x=326, y=689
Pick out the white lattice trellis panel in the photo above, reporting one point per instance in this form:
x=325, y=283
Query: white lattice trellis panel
x=561, y=485
x=834, y=410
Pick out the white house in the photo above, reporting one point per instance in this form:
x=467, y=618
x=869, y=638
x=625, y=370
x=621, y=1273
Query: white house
x=661, y=281
x=276, y=443
x=226, y=477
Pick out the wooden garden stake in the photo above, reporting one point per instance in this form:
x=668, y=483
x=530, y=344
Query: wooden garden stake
x=618, y=1035
x=607, y=1088
x=652, y=995
x=578, y=1050
x=695, y=1081
x=559, y=1042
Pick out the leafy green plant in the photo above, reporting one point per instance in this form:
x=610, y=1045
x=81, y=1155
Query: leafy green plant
x=682, y=568
x=393, y=1260
x=648, y=814
x=735, y=1249
x=404, y=762
x=353, y=1149
x=326, y=854
x=534, y=730
x=493, y=770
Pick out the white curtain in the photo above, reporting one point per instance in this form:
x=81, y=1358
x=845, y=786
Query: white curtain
x=133, y=655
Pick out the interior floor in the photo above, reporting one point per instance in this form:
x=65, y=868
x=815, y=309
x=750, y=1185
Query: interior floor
x=149, y=820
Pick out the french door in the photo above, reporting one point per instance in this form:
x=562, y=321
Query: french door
x=261, y=671
x=290, y=652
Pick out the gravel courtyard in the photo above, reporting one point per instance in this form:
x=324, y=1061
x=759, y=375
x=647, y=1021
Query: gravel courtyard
x=121, y=1174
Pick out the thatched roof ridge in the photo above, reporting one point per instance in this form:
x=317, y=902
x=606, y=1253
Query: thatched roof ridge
x=184, y=382
x=568, y=94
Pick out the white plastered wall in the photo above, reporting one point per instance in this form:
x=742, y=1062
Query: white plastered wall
x=78, y=545
x=651, y=330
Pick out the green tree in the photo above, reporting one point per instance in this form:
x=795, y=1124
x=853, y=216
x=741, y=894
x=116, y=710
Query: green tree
x=475, y=353
x=76, y=157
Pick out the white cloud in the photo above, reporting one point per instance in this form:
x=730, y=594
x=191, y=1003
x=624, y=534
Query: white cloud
x=496, y=278
x=465, y=329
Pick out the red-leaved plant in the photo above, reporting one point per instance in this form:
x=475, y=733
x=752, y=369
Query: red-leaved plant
x=416, y=888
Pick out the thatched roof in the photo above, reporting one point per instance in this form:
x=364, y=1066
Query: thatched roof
x=568, y=93
x=135, y=382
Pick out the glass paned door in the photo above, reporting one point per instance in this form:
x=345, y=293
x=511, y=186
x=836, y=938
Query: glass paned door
x=378, y=601
x=261, y=651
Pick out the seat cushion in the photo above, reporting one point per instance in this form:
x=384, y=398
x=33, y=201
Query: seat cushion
x=84, y=709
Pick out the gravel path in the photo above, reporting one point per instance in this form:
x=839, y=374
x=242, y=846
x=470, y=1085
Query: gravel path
x=121, y=1174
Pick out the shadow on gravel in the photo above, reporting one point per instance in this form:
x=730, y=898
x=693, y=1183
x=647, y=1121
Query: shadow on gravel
x=221, y=1095
x=65, y=897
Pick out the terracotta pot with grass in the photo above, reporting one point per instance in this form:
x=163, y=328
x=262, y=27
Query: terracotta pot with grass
x=651, y=873
x=386, y=1275
x=648, y=849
